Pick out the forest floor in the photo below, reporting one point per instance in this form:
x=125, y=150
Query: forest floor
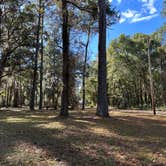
x=128, y=138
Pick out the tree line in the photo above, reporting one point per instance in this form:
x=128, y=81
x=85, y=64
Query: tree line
x=128, y=72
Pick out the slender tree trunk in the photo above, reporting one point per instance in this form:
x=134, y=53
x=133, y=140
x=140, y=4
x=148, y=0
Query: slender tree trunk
x=65, y=73
x=20, y=92
x=3, y=62
x=6, y=94
x=5, y=51
x=34, y=86
x=1, y=16
x=145, y=98
x=53, y=98
x=141, y=94
x=41, y=65
x=151, y=81
x=10, y=96
x=16, y=95
x=84, y=70
x=102, y=103
x=56, y=100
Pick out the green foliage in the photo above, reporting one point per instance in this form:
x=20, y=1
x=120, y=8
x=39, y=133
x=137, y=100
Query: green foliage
x=128, y=76
x=164, y=8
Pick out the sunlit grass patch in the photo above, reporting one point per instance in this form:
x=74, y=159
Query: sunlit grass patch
x=52, y=125
x=16, y=120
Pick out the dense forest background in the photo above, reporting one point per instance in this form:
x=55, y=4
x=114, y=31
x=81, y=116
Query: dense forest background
x=32, y=37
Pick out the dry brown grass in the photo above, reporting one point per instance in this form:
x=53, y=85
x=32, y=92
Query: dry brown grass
x=128, y=138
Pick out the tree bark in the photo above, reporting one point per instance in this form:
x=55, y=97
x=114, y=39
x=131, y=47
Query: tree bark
x=16, y=95
x=3, y=62
x=41, y=64
x=65, y=72
x=102, y=102
x=84, y=70
x=34, y=86
x=151, y=81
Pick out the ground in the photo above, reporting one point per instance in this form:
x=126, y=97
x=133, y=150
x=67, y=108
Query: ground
x=127, y=138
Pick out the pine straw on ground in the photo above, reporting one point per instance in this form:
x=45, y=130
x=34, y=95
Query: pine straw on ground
x=128, y=138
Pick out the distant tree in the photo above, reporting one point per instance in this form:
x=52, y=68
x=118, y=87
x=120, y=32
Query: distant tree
x=35, y=66
x=84, y=65
x=128, y=85
x=153, y=100
x=16, y=29
x=164, y=8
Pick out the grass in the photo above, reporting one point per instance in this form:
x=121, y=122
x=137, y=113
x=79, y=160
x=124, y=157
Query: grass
x=128, y=138
x=162, y=108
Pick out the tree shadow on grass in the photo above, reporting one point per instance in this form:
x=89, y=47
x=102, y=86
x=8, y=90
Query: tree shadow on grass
x=58, y=144
x=75, y=140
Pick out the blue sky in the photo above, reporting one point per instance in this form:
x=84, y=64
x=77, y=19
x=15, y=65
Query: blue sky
x=142, y=16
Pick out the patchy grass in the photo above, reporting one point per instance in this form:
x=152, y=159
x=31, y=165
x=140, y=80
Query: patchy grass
x=128, y=138
x=162, y=108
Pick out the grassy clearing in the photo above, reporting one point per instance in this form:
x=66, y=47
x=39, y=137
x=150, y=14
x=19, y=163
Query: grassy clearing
x=128, y=138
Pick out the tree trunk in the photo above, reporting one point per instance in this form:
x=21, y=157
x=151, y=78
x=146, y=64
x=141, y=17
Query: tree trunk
x=8, y=92
x=65, y=73
x=151, y=81
x=56, y=100
x=33, y=90
x=102, y=103
x=3, y=62
x=145, y=98
x=41, y=65
x=16, y=95
x=141, y=95
x=84, y=69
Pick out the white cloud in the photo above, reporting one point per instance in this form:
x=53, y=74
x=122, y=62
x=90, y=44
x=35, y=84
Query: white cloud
x=138, y=19
x=119, y=1
x=149, y=6
x=144, y=1
x=129, y=13
x=146, y=12
x=122, y=20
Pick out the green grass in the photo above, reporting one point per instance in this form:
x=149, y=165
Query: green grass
x=43, y=139
x=162, y=108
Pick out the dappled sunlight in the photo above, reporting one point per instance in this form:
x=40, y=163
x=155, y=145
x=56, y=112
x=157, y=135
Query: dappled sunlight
x=124, y=139
x=84, y=121
x=16, y=120
x=24, y=153
x=99, y=130
x=52, y=125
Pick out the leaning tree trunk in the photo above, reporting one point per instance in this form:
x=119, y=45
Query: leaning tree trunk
x=102, y=102
x=65, y=73
x=84, y=69
x=34, y=86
